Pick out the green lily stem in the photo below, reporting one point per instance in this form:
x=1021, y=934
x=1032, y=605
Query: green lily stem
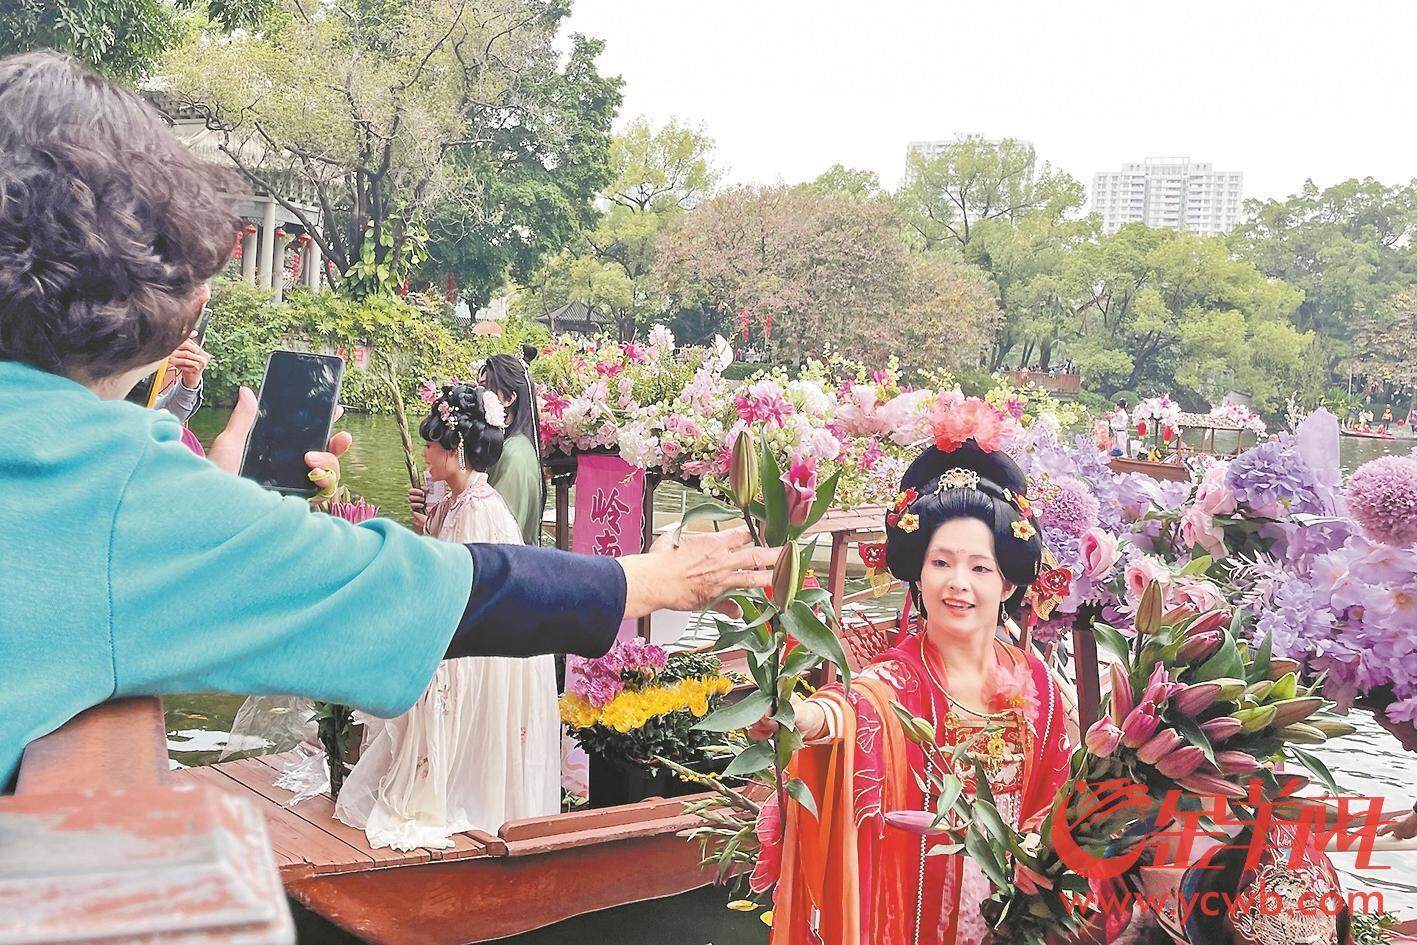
x=752, y=528
x=779, y=642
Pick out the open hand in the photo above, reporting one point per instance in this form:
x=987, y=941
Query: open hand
x=694, y=573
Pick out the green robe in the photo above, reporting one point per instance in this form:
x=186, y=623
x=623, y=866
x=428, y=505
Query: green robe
x=517, y=476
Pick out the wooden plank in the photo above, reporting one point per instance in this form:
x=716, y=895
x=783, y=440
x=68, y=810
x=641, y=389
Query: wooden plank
x=577, y=821
x=665, y=826
x=299, y=846
x=318, y=812
x=493, y=897
x=119, y=744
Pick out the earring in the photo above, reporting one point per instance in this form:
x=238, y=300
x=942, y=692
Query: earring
x=462, y=459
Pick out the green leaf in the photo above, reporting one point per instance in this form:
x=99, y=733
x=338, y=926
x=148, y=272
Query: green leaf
x=705, y=511
x=1318, y=768
x=774, y=497
x=1112, y=641
x=740, y=714
x=950, y=791
x=982, y=853
x=1192, y=733
x=1259, y=667
x=1197, y=567
x=799, y=661
x=826, y=494
x=815, y=636
x=753, y=759
x=986, y=815
x=1225, y=664
x=797, y=788
x=788, y=741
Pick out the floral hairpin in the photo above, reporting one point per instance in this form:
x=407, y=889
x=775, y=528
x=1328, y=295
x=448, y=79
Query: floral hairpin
x=493, y=411
x=959, y=479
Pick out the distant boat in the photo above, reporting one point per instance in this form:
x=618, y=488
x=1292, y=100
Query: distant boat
x=1365, y=433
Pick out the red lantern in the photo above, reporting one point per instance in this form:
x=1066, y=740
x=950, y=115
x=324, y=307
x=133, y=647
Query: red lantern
x=280, y=233
x=250, y=228
x=1166, y=434
x=743, y=322
x=1141, y=428
x=449, y=288
x=767, y=324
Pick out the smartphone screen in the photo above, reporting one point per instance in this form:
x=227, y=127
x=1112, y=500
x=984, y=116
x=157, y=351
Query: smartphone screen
x=294, y=416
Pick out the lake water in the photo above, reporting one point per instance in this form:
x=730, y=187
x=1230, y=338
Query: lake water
x=1371, y=762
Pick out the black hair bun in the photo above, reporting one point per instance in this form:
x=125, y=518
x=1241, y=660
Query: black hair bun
x=1017, y=547
x=997, y=468
x=529, y=353
x=458, y=421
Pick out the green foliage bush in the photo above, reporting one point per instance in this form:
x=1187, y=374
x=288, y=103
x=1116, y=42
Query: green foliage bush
x=247, y=325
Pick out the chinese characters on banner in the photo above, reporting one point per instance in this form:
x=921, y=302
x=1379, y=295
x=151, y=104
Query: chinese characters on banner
x=609, y=520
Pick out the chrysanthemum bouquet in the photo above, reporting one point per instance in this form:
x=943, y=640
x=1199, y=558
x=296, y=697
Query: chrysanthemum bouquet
x=637, y=703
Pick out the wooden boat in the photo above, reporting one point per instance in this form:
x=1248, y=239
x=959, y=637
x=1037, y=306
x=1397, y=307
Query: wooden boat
x=1173, y=472
x=1366, y=434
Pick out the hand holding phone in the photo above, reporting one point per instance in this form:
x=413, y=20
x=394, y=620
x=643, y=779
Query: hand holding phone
x=294, y=416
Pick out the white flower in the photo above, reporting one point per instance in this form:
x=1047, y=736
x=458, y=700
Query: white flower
x=493, y=411
x=661, y=341
x=811, y=398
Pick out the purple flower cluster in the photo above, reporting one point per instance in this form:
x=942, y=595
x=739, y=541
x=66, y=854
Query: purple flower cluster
x=1069, y=508
x=600, y=680
x=1273, y=478
x=1382, y=496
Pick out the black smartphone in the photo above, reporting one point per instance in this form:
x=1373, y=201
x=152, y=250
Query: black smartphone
x=145, y=392
x=295, y=415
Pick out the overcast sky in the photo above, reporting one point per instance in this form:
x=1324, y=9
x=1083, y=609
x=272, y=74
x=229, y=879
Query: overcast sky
x=1281, y=91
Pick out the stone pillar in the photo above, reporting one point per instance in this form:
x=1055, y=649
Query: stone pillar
x=266, y=268
x=248, y=256
x=314, y=266
x=278, y=267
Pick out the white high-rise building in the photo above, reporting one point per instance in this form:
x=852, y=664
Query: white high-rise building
x=1175, y=193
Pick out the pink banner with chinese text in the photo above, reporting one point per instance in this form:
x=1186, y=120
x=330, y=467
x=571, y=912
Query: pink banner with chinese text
x=609, y=520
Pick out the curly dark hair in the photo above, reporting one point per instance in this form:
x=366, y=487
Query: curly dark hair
x=108, y=224
x=456, y=420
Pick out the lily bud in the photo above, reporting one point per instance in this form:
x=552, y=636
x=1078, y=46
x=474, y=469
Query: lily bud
x=1160, y=688
x=1259, y=691
x=1237, y=762
x=786, y=576
x=1230, y=689
x=1200, y=646
x=919, y=730
x=1181, y=763
x=1296, y=710
x=1103, y=738
x=1333, y=728
x=1210, y=784
x=1298, y=733
x=1209, y=622
x=1195, y=698
x=1140, y=724
x=1252, y=720
x=1122, y=700
x=743, y=471
x=1159, y=746
x=918, y=822
x=1218, y=730
x=1279, y=669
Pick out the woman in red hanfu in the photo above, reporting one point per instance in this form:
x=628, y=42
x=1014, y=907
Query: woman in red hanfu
x=962, y=536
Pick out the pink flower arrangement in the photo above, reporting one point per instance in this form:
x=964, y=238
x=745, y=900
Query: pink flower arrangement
x=954, y=422
x=763, y=403
x=1382, y=495
x=1141, y=572
x=553, y=403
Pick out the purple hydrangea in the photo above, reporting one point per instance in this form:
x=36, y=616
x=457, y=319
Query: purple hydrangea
x=1382, y=496
x=1069, y=508
x=1272, y=478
